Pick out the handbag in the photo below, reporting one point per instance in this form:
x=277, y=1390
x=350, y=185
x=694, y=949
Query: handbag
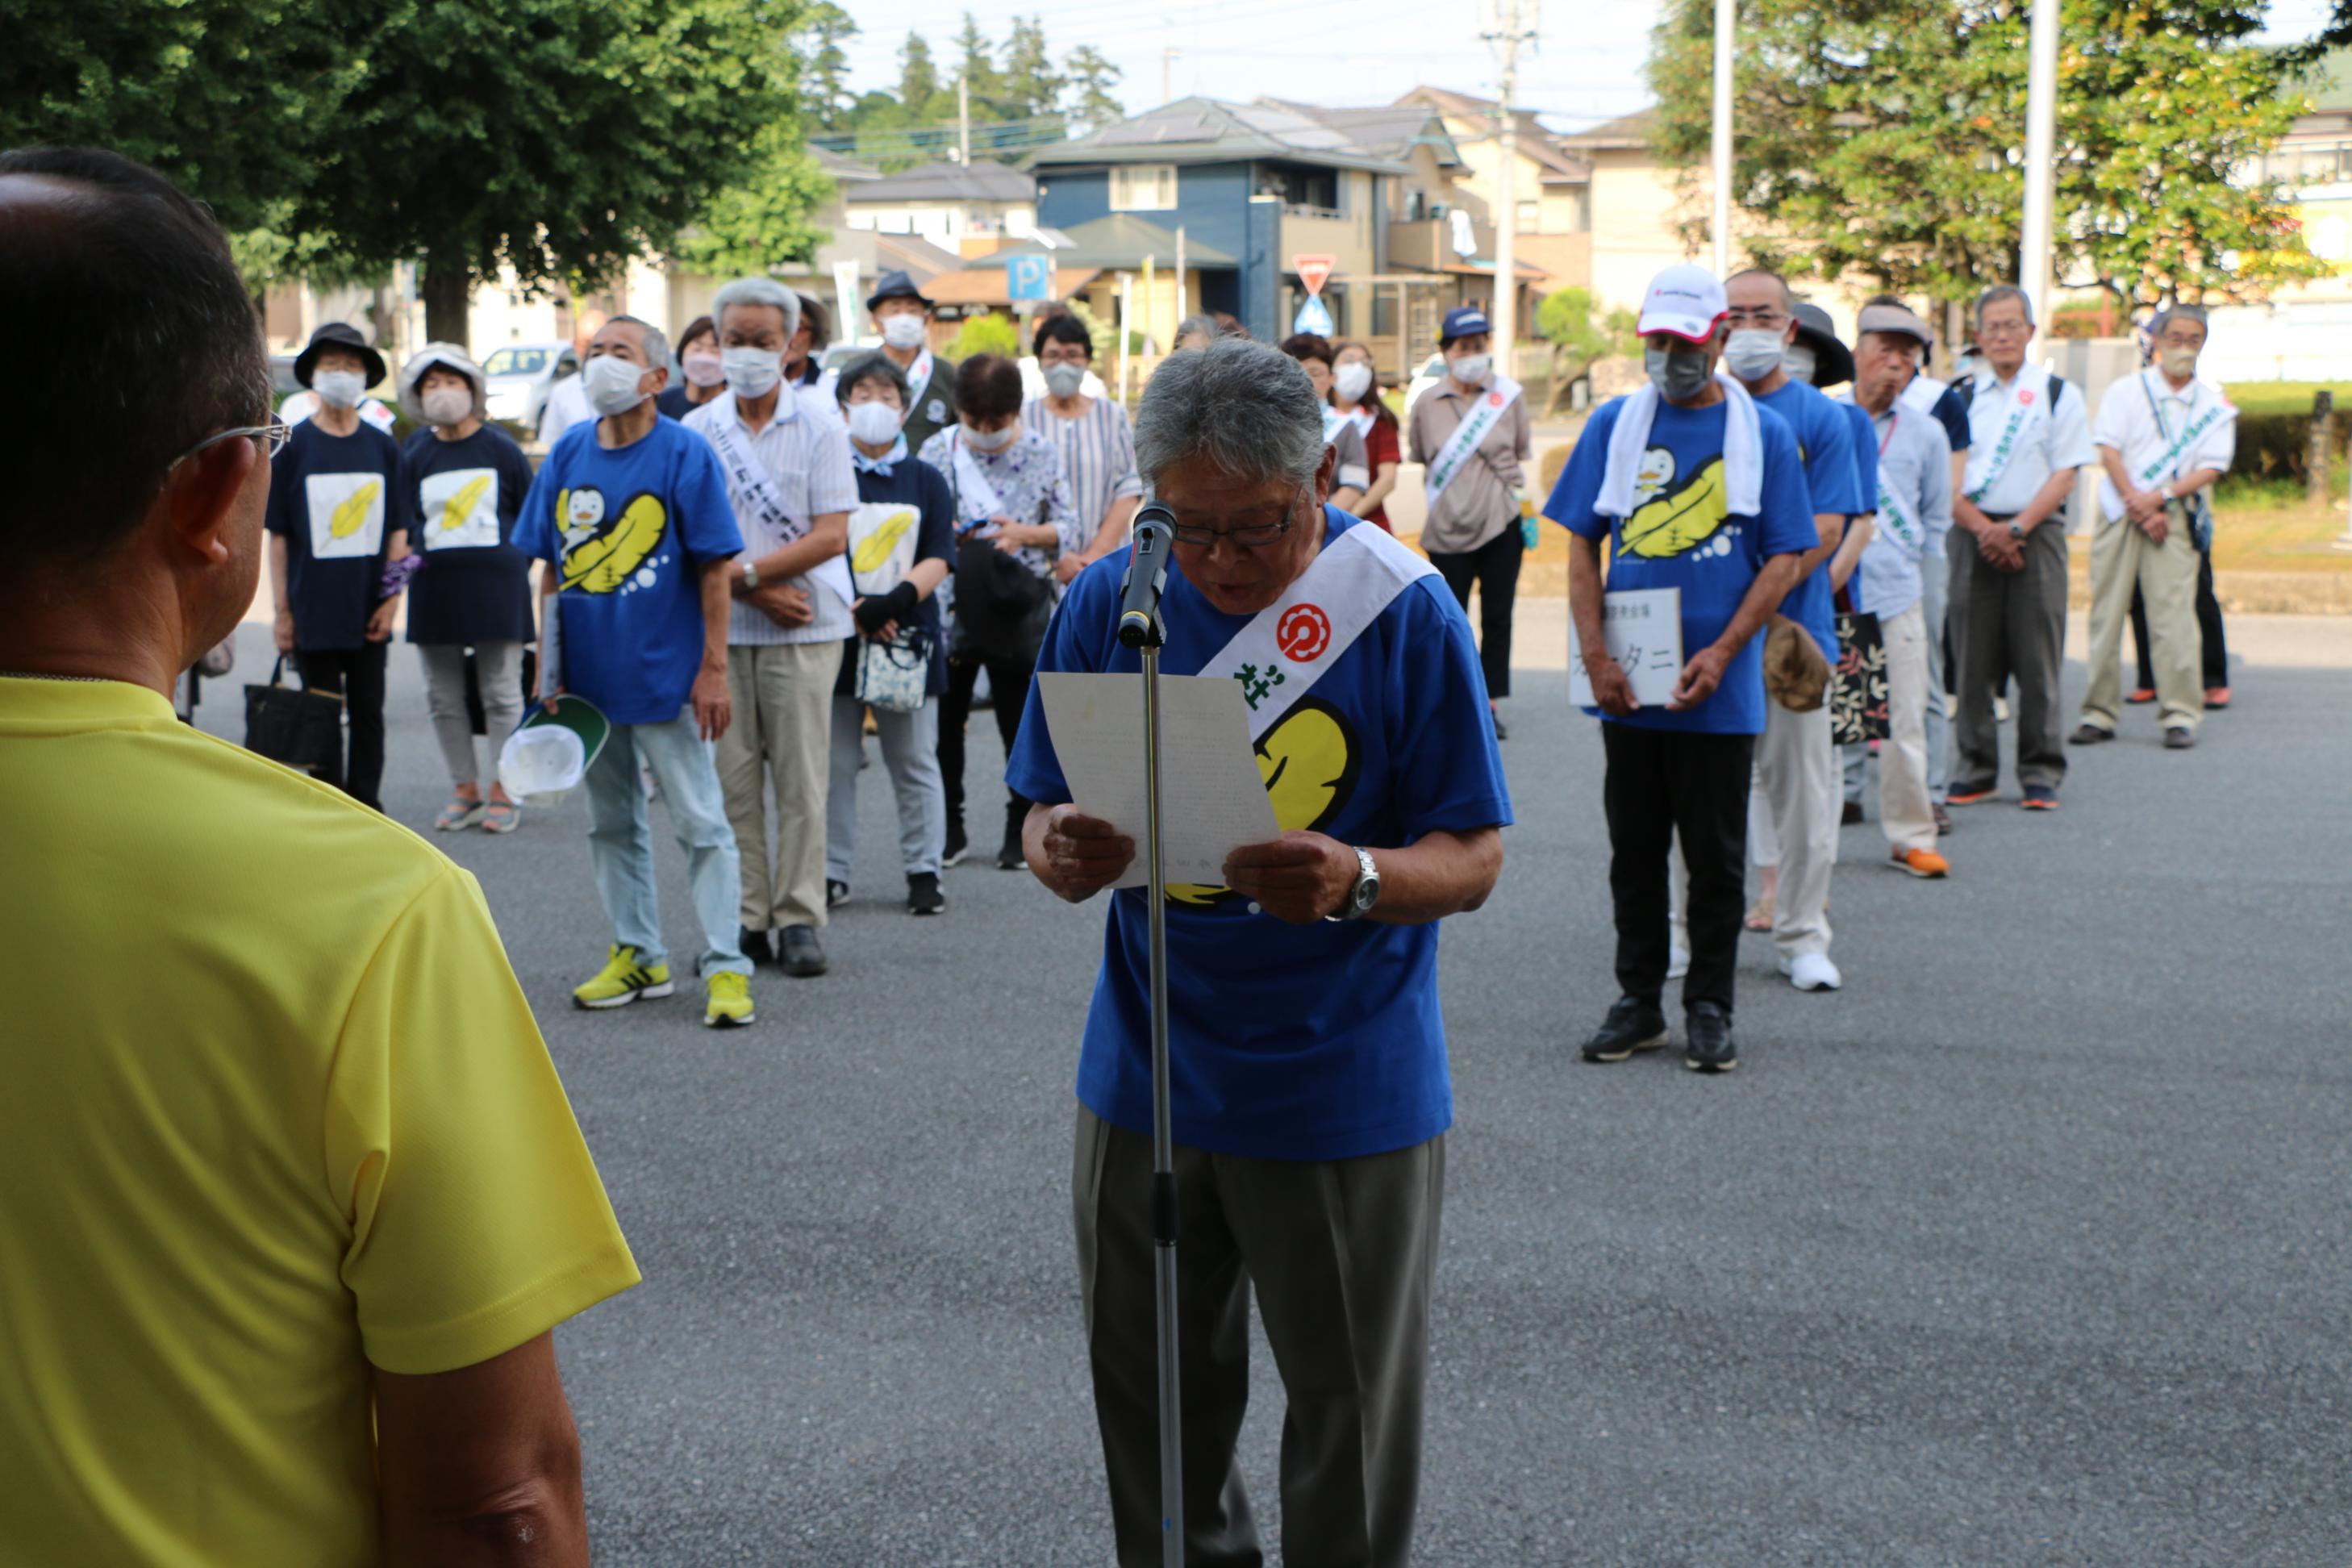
x=1858, y=684
x=294, y=725
x=894, y=676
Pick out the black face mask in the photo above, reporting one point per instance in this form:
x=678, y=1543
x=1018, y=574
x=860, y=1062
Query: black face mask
x=1679, y=375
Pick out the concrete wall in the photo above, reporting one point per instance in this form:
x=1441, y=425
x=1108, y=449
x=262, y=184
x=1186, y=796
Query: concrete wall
x=1633, y=217
x=944, y=222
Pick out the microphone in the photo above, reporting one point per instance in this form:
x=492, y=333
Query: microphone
x=1153, y=533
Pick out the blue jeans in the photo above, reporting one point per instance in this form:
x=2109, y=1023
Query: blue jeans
x=621, y=842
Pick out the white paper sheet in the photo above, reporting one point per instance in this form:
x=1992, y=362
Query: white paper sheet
x=1212, y=797
x=1645, y=628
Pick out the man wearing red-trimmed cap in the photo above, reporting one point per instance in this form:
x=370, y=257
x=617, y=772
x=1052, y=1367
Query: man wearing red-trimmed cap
x=1701, y=491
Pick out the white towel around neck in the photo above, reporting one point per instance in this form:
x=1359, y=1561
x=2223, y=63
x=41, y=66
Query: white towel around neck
x=1743, y=450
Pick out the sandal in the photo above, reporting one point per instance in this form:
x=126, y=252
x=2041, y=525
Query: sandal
x=501, y=816
x=1759, y=918
x=459, y=813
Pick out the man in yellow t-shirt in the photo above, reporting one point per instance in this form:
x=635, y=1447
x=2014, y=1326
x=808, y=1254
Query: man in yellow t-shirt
x=293, y=1197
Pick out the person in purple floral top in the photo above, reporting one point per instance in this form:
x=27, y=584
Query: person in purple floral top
x=1009, y=491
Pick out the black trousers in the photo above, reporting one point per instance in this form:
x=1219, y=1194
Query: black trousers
x=1662, y=782
x=356, y=675
x=1495, y=567
x=1008, y=689
x=2209, y=622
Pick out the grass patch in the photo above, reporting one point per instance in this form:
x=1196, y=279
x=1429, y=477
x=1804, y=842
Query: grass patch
x=2285, y=397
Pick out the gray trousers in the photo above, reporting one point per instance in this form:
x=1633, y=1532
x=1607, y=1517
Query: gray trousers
x=911, y=751
x=2009, y=626
x=1935, y=587
x=1341, y=1254
x=498, y=667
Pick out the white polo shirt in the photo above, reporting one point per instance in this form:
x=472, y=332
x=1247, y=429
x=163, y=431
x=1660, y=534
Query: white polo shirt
x=807, y=457
x=2045, y=440
x=2203, y=425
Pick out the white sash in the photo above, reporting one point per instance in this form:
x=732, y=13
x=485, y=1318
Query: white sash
x=919, y=378
x=1487, y=409
x=760, y=488
x=1332, y=420
x=971, y=487
x=1988, y=460
x=2169, y=459
x=1288, y=646
x=1900, y=524
x=1362, y=418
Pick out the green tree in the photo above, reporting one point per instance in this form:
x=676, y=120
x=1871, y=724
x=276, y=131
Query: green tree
x=1088, y=79
x=977, y=69
x=918, y=75
x=990, y=334
x=1031, y=88
x=558, y=137
x=764, y=221
x=825, y=96
x=1579, y=337
x=225, y=96
x=1885, y=139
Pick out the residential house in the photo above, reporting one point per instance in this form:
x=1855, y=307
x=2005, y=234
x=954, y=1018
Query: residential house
x=1095, y=263
x=2305, y=332
x=1551, y=193
x=951, y=204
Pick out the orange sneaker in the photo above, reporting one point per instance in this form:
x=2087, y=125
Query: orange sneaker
x=2217, y=697
x=2142, y=694
x=1922, y=863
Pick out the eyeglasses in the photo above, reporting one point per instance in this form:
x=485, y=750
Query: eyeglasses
x=271, y=437
x=2001, y=329
x=1250, y=536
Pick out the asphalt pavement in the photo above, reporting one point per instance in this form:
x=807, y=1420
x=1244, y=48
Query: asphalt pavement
x=2030, y=1246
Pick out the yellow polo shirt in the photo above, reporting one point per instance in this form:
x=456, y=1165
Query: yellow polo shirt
x=272, y=1108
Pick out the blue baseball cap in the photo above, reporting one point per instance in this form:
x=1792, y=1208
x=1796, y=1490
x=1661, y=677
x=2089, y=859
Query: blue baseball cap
x=1463, y=321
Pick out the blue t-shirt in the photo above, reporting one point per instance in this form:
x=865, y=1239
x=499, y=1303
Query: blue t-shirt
x=631, y=530
x=1825, y=443
x=1865, y=473
x=475, y=585
x=1686, y=536
x=336, y=500
x=1319, y=1042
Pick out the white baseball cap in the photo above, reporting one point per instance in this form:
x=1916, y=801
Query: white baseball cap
x=1685, y=299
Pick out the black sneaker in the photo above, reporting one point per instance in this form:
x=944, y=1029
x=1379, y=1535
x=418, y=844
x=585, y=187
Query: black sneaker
x=1632, y=1024
x=957, y=844
x=923, y=895
x=1010, y=857
x=1707, y=1038
x=1502, y=732
x=2089, y=734
x=835, y=893
x=1850, y=814
x=802, y=954
x=2040, y=797
x=2180, y=738
x=756, y=945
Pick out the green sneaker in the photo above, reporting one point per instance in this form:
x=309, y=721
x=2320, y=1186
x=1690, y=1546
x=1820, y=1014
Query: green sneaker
x=731, y=1000
x=622, y=980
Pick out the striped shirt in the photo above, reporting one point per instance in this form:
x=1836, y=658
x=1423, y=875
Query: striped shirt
x=1098, y=452
x=807, y=458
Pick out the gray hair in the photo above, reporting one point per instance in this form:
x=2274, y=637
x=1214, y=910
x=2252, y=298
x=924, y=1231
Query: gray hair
x=657, y=340
x=2172, y=313
x=1248, y=408
x=757, y=291
x=876, y=366
x=2000, y=291
x=1204, y=325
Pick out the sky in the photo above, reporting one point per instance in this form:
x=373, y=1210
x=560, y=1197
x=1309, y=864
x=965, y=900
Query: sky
x=1585, y=66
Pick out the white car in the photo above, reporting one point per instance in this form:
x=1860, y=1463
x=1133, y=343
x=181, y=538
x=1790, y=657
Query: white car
x=517, y=378
x=1428, y=376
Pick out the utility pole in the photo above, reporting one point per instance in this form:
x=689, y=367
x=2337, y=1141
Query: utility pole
x=1726, y=16
x=963, y=121
x=2040, y=159
x=1512, y=30
x=1168, y=57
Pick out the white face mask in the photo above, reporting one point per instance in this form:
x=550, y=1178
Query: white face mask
x=752, y=373
x=1064, y=379
x=611, y=384
x=1752, y=354
x=2178, y=363
x=339, y=388
x=1351, y=380
x=903, y=329
x=991, y=440
x=1799, y=361
x=447, y=405
x=703, y=369
x=1470, y=370
x=874, y=422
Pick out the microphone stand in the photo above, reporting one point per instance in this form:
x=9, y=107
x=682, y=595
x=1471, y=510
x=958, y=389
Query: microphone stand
x=1141, y=627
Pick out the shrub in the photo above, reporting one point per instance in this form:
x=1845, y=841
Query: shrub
x=989, y=334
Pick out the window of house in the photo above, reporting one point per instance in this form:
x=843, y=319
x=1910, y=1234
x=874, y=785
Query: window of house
x=1531, y=217
x=1142, y=187
x=1309, y=193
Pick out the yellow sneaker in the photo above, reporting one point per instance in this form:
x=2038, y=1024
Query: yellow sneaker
x=731, y=1000
x=622, y=980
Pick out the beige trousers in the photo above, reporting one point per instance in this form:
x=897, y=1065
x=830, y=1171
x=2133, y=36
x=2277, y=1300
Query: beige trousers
x=2121, y=556
x=783, y=722
x=1798, y=767
x=1903, y=808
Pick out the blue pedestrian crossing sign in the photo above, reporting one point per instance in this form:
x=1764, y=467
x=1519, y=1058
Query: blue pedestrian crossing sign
x=1029, y=278
x=1313, y=317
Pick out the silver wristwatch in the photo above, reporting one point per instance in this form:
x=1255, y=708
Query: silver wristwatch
x=750, y=573
x=1364, y=891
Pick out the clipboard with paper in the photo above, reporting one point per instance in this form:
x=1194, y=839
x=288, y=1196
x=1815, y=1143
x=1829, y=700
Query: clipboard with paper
x=1643, y=628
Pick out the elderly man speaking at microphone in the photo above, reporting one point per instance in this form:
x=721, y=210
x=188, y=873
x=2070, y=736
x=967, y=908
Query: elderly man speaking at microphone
x=1310, y=1092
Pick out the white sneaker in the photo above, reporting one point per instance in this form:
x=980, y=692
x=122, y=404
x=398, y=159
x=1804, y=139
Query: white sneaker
x=1677, y=963
x=1812, y=971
